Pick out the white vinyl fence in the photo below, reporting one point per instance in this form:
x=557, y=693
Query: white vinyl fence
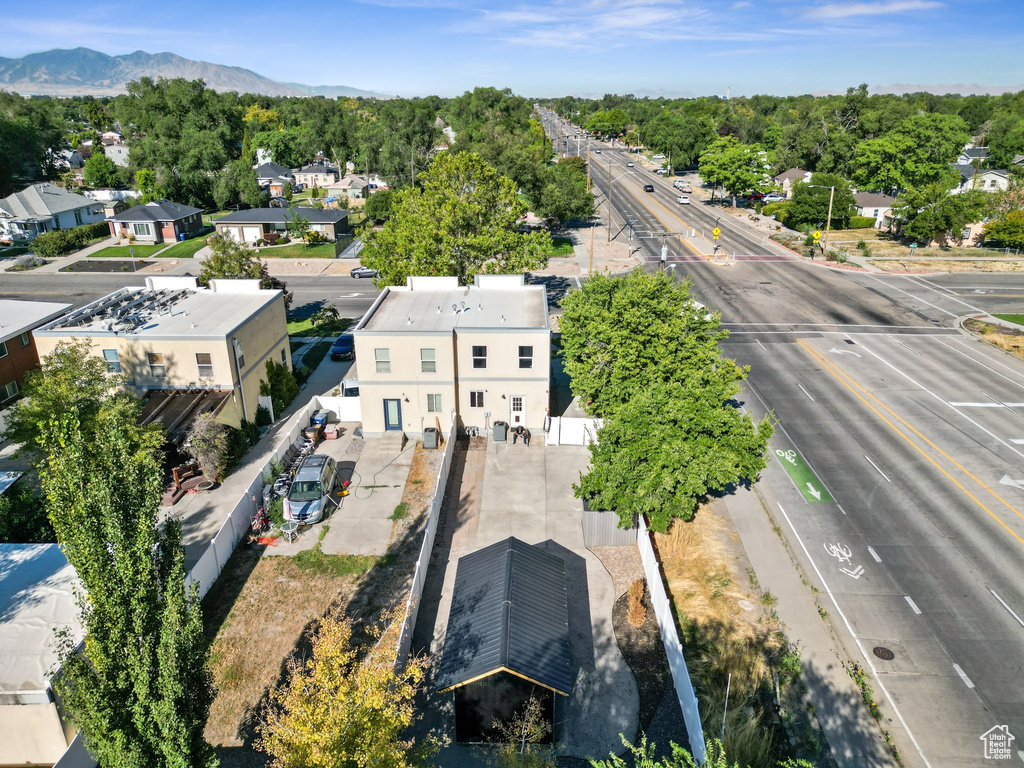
x=567, y=430
x=419, y=578
x=344, y=408
x=673, y=648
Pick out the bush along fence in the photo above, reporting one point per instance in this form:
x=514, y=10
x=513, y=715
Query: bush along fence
x=673, y=647
x=419, y=577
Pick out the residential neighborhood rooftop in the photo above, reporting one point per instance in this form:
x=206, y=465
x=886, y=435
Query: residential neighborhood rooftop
x=272, y=170
x=167, y=307
x=157, y=210
x=970, y=171
x=440, y=304
x=873, y=200
x=282, y=216
x=16, y=317
x=43, y=201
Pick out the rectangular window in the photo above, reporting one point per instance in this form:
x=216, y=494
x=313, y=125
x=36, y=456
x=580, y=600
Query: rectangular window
x=433, y=403
x=428, y=361
x=476, y=399
x=78, y=217
x=965, y=235
x=284, y=357
x=526, y=357
x=157, y=369
x=240, y=355
x=113, y=360
x=383, y=359
x=26, y=339
x=204, y=361
x=479, y=357
x=140, y=229
x=9, y=391
x=3, y=349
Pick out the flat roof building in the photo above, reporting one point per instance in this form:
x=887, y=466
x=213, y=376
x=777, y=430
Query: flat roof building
x=18, y=353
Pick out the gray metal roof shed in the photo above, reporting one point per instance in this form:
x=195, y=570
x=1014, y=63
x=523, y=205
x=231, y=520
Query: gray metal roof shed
x=509, y=614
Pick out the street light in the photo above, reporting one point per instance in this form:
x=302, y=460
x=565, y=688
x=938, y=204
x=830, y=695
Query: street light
x=611, y=207
x=828, y=222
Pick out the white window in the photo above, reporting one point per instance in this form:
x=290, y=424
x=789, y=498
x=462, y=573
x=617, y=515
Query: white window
x=9, y=391
x=965, y=235
x=240, y=355
x=26, y=339
x=479, y=357
x=433, y=403
x=284, y=357
x=157, y=369
x=204, y=361
x=140, y=229
x=383, y=359
x=113, y=360
x=3, y=349
x=526, y=357
x=428, y=361
x=875, y=214
x=476, y=399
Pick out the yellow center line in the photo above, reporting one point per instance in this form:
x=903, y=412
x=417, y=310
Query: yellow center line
x=853, y=386
x=666, y=226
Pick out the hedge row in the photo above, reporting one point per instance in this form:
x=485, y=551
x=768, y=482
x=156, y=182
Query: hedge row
x=60, y=242
x=862, y=222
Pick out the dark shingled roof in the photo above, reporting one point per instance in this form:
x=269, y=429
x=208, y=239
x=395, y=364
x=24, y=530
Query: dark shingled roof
x=282, y=216
x=158, y=210
x=509, y=613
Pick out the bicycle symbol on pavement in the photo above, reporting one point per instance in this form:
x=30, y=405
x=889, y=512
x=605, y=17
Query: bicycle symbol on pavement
x=839, y=551
x=789, y=456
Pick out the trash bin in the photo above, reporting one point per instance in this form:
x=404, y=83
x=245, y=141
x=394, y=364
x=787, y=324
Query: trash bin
x=181, y=237
x=320, y=418
x=430, y=437
x=500, y=431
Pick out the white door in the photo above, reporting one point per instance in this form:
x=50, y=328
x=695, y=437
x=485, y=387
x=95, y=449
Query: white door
x=517, y=410
x=231, y=232
x=251, y=234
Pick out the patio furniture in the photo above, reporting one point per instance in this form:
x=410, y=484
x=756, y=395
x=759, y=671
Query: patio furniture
x=290, y=530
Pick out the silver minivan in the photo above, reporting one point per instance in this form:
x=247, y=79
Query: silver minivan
x=311, y=489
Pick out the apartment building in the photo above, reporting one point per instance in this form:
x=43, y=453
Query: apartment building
x=432, y=351
x=210, y=345
x=18, y=354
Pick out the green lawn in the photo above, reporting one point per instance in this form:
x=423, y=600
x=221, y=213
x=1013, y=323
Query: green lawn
x=304, y=327
x=315, y=356
x=562, y=246
x=1017, y=319
x=185, y=250
x=16, y=250
x=299, y=251
x=208, y=218
x=123, y=252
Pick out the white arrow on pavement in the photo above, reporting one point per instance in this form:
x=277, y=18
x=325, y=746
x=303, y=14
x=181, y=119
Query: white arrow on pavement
x=350, y=296
x=844, y=352
x=814, y=491
x=855, y=573
x=1007, y=480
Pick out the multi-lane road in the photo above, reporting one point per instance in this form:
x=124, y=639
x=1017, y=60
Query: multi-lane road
x=899, y=471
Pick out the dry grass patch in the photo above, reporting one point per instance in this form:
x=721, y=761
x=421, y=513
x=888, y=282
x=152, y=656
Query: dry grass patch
x=940, y=265
x=1001, y=336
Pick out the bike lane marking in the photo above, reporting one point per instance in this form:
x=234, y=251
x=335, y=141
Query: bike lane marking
x=803, y=476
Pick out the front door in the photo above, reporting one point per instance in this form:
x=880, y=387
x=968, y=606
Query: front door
x=517, y=410
x=392, y=414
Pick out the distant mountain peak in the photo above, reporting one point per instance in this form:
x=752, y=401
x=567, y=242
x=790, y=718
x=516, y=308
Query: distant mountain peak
x=83, y=71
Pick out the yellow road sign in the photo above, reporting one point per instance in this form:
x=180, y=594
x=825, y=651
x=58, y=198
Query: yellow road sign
x=714, y=237
x=716, y=231
x=816, y=234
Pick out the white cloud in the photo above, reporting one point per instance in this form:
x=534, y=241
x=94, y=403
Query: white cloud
x=847, y=10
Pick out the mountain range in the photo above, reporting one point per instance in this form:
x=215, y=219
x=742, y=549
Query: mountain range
x=83, y=71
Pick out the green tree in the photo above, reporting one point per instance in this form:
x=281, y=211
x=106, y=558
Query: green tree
x=347, y=706
x=643, y=755
x=680, y=137
x=737, y=167
x=1007, y=231
x=932, y=213
x=298, y=225
x=565, y=194
x=141, y=691
x=99, y=170
x=520, y=739
x=810, y=203
x=23, y=517
x=463, y=221
x=145, y=182
x=233, y=261
x=378, y=205
x=280, y=386
x=916, y=153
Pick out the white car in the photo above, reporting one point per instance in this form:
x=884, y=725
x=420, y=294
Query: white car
x=772, y=198
x=683, y=200
x=629, y=164
x=657, y=157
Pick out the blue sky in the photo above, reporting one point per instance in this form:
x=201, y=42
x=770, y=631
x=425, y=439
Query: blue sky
x=694, y=47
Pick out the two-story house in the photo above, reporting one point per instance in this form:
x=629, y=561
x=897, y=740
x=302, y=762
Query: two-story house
x=43, y=208
x=316, y=175
x=985, y=179
x=172, y=340
x=18, y=353
x=432, y=351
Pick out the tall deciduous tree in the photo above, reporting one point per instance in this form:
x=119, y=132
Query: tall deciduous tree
x=99, y=170
x=141, y=691
x=1007, y=231
x=932, y=213
x=915, y=153
x=233, y=261
x=347, y=706
x=810, y=203
x=737, y=167
x=462, y=222
x=565, y=194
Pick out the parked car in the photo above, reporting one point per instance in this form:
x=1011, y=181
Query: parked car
x=629, y=164
x=683, y=200
x=311, y=489
x=648, y=187
x=657, y=157
x=597, y=151
x=350, y=388
x=774, y=197
x=344, y=348
x=361, y=271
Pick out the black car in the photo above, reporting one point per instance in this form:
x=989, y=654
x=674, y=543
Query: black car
x=648, y=187
x=344, y=348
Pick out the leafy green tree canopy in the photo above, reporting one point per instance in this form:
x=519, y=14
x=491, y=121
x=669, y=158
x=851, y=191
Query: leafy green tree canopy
x=462, y=222
x=933, y=213
x=1007, y=231
x=233, y=261
x=916, y=153
x=99, y=170
x=565, y=194
x=737, y=167
x=810, y=203
x=378, y=205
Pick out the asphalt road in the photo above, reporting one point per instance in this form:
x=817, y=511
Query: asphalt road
x=898, y=471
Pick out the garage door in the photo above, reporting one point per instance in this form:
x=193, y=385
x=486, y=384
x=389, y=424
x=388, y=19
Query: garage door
x=251, y=234
x=230, y=232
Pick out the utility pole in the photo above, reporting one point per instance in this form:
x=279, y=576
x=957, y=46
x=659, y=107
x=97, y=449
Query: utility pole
x=412, y=165
x=590, y=269
x=828, y=223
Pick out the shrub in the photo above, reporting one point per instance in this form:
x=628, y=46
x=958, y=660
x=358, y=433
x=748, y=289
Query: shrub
x=861, y=222
x=59, y=242
x=315, y=237
x=26, y=261
x=280, y=386
x=251, y=432
x=779, y=210
x=263, y=417
x=637, y=613
x=237, y=447
x=207, y=443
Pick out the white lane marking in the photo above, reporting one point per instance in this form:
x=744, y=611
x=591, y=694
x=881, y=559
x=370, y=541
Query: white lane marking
x=855, y=573
x=578, y=284
x=874, y=555
x=949, y=296
x=805, y=391
x=844, y=352
x=997, y=404
x=877, y=467
x=1017, y=440
x=843, y=511
x=912, y=604
x=905, y=346
x=963, y=676
x=860, y=646
x=960, y=342
x=762, y=346
x=962, y=415
x=1020, y=754
x=1008, y=608
x=918, y=298
x=837, y=325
